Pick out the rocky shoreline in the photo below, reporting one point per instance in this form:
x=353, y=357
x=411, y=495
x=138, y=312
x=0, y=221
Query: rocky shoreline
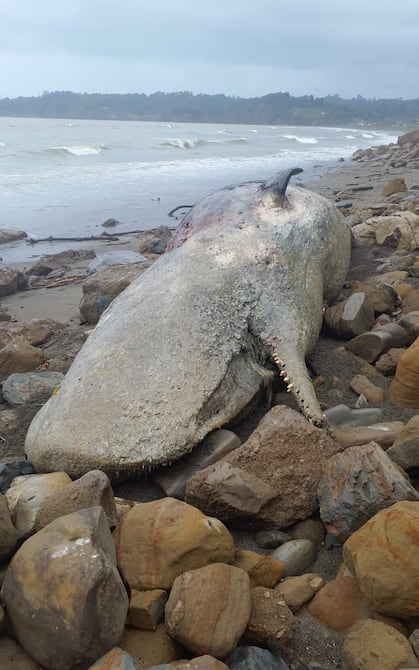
x=275, y=544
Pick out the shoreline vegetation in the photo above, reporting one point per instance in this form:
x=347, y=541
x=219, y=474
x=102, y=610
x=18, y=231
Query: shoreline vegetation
x=278, y=108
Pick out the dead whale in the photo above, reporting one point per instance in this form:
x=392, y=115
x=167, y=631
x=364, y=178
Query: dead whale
x=188, y=344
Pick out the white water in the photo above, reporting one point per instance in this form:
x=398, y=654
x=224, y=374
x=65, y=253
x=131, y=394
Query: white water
x=65, y=177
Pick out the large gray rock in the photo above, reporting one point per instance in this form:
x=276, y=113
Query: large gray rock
x=23, y=387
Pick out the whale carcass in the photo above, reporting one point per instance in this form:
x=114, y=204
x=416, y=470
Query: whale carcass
x=191, y=341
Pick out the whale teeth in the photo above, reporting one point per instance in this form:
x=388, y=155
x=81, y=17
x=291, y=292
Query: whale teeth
x=290, y=387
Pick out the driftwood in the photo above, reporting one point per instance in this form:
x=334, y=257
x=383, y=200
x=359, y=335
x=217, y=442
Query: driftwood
x=172, y=211
x=100, y=238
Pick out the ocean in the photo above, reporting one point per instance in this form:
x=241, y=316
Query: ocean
x=64, y=178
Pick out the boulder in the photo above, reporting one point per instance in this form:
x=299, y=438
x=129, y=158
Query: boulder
x=404, y=388
x=8, y=281
x=9, y=536
x=154, y=241
x=338, y=605
x=13, y=657
x=91, y=490
x=151, y=647
x=374, y=343
x=270, y=617
x=373, y=394
x=70, y=611
x=383, y=555
x=397, y=185
x=350, y=318
x=271, y=480
x=356, y=484
x=298, y=590
x=35, y=331
x=19, y=356
x=209, y=608
x=146, y=609
x=61, y=261
x=159, y=540
x=10, y=235
x=24, y=387
x=262, y=570
x=100, y=288
x=28, y=493
x=372, y=644
x=383, y=434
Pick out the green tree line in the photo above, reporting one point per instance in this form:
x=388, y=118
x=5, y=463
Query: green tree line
x=184, y=106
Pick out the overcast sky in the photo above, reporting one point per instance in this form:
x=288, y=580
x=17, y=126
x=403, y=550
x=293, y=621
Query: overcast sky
x=237, y=47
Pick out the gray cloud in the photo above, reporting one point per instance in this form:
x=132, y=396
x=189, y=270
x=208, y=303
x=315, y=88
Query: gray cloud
x=235, y=47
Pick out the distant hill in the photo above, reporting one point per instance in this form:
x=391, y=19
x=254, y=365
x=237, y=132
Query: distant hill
x=183, y=106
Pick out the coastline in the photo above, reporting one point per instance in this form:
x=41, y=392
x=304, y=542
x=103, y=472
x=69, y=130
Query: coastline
x=62, y=302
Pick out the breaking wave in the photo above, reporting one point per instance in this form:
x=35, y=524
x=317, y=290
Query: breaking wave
x=301, y=138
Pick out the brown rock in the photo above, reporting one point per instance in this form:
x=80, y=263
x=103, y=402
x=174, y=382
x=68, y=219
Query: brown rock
x=27, y=494
x=13, y=657
x=296, y=591
x=157, y=541
x=19, y=356
x=404, y=389
x=410, y=302
x=100, y=288
x=370, y=645
x=387, y=363
x=91, y=490
x=271, y=480
x=146, y=609
x=371, y=345
x=364, y=386
x=397, y=185
x=270, y=617
x=35, y=331
x=8, y=281
x=262, y=570
x=151, y=647
x=350, y=318
x=9, y=536
x=69, y=611
x=356, y=484
x=338, y=605
x=384, y=556
x=209, y=608
x=383, y=434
